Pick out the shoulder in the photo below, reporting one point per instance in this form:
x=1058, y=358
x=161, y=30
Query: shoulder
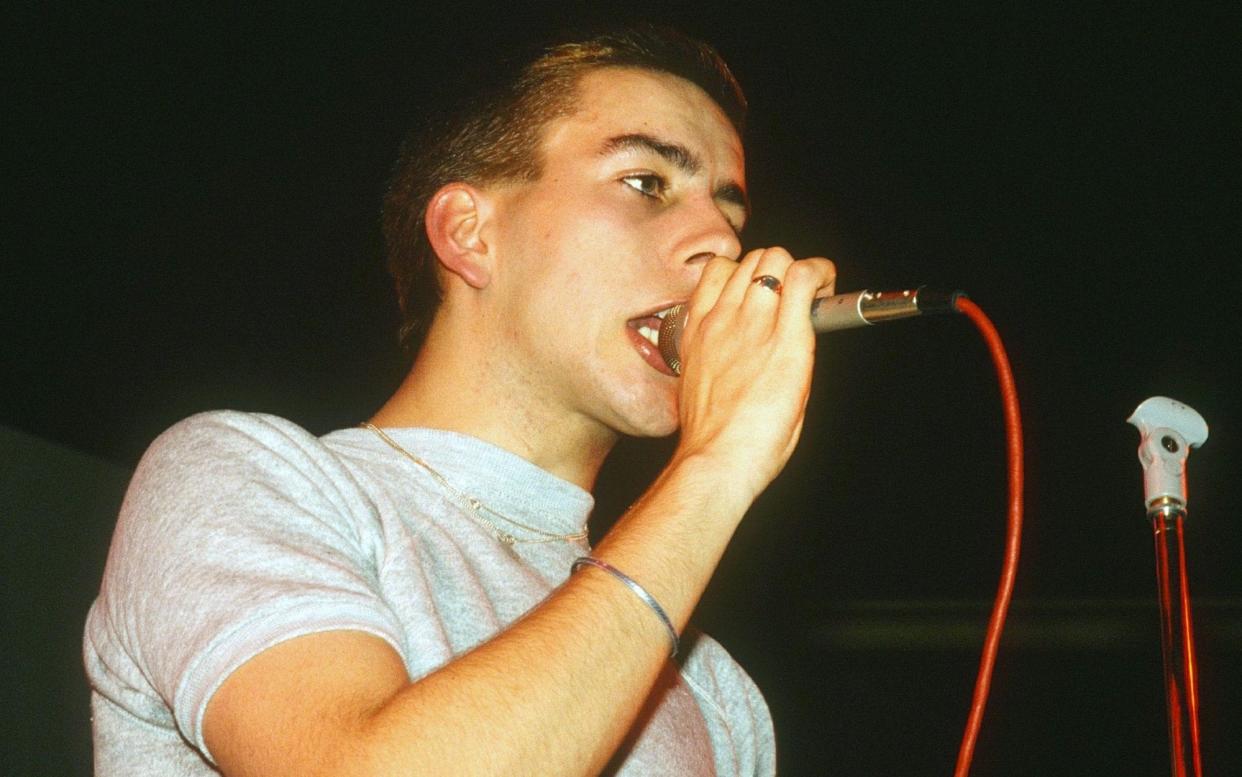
x=229, y=467
x=220, y=444
x=220, y=431
x=223, y=486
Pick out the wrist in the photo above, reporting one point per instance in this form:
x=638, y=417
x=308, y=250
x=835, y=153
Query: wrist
x=725, y=483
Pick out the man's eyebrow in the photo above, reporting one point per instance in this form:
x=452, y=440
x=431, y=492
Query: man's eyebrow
x=675, y=153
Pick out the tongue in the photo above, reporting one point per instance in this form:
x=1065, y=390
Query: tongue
x=652, y=322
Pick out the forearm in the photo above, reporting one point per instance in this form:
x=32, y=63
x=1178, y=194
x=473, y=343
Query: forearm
x=573, y=674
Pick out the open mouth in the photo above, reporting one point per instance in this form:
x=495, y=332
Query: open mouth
x=649, y=326
x=645, y=334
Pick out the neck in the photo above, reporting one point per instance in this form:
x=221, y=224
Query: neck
x=462, y=390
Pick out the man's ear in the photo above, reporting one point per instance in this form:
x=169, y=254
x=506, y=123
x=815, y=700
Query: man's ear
x=455, y=219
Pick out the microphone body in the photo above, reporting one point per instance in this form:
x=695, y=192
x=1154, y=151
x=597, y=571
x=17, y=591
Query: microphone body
x=828, y=314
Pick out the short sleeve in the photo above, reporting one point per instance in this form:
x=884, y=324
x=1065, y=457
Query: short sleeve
x=238, y=532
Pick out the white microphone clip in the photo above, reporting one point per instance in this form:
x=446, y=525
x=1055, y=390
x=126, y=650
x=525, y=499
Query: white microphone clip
x=1168, y=430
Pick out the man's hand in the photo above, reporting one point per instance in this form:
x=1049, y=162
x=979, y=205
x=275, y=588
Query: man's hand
x=747, y=354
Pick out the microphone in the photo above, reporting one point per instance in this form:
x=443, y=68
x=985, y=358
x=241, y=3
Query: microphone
x=828, y=314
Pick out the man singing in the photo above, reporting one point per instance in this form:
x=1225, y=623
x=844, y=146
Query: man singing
x=417, y=595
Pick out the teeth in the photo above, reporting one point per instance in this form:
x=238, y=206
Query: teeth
x=652, y=335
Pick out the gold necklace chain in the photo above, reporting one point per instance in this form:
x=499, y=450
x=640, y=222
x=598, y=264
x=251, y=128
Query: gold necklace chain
x=477, y=507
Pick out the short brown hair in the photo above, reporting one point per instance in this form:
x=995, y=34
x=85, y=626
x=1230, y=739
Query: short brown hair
x=495, y=137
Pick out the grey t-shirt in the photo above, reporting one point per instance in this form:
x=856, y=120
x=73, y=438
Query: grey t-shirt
x=240, y=531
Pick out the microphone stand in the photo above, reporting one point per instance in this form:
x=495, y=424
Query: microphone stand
x=1169, y=429
x=1177, y=639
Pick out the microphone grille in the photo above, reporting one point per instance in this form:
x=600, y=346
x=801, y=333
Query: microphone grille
x=670, y=337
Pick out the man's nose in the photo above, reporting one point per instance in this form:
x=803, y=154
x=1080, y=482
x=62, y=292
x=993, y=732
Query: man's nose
x=711, y=235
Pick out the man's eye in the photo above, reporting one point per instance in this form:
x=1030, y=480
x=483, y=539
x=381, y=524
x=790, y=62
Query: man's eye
x=646, y=184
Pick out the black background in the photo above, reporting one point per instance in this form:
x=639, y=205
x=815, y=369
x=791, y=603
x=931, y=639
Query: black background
x=192, y=200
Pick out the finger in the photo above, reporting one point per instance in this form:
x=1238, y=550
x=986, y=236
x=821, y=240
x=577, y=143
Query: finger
x=768, y=278
x=804, y=280
x=735, y=290
x=716, y=273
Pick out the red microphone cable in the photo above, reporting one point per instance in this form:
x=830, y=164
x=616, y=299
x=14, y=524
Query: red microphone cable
x=866, y=307
x=1013, y=535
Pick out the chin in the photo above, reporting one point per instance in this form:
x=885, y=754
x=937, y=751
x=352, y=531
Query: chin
x=650, y=416
x=654, y=430
x=640, y=402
